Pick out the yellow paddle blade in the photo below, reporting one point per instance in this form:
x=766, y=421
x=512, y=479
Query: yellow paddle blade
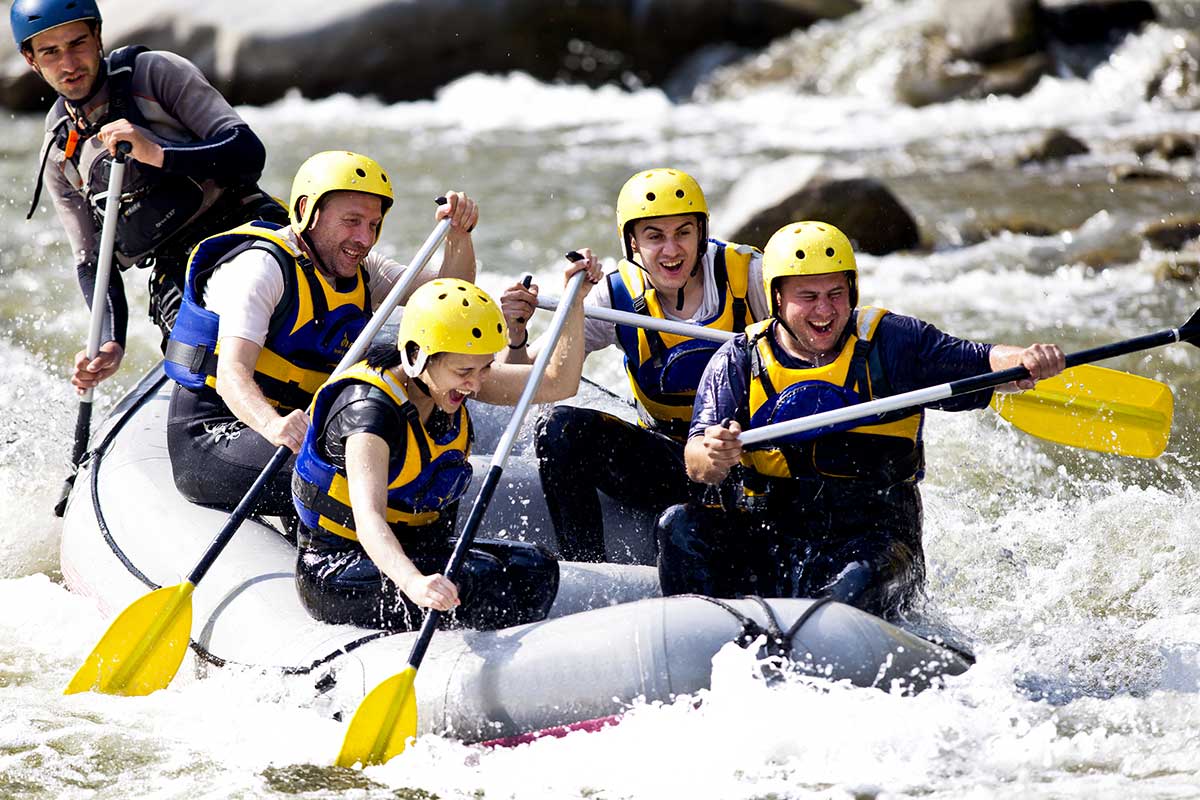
x=143, y=647
x=1097, y=409
x=384, y=722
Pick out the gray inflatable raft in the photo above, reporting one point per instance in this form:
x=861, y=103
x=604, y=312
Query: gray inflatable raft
x=610, y=638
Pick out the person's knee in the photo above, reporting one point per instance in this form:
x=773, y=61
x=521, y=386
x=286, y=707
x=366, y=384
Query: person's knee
x=684, y=527
x=560, y=429
x=511, y=587
x=533, y=574
x=685, y=557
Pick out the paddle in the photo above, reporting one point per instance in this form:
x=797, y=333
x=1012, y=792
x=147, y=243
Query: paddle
x=108, y=236
x=1186, y=333
x=387, y=717
x=144, y=646
x=1088, y=407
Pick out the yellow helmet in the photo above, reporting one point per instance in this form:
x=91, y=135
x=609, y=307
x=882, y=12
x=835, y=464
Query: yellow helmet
x=449, y=315
x=336, y=171
x=658, y=192
x=808, y=248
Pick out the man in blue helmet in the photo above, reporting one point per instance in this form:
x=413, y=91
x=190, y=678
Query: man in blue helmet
x=193, y=167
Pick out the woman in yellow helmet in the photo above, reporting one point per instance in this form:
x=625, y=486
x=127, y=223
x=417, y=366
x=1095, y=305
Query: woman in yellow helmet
x=672, y=270
x=834, y=512
x=384, y=463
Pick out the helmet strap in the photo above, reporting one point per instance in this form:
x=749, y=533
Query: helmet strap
x=312, y=252
x=416, y=366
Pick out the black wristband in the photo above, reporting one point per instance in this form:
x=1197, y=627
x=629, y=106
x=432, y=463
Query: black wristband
x=524, y=342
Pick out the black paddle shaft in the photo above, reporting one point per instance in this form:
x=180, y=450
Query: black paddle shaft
x=1188, y=332
x=243, y=509
x=465, y=540
x=490, y=481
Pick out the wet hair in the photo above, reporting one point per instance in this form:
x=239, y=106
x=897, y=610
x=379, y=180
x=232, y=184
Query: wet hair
x=383, y=356
x=386, y=356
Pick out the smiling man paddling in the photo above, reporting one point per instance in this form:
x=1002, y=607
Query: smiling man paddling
x=269, y=311
x=833, y=512
x=671, y=270
x=192, y=171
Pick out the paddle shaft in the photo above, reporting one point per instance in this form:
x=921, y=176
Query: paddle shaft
x=353, y=355
x=479, y=508
x=108, y=238
x=1189, y=331
x=645, y=321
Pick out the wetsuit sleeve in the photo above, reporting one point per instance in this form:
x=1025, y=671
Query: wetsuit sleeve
x=724, y=390
x=915, y=354
x=115, y=321
x=227, y=150
x=361, y=408
x=233, y=157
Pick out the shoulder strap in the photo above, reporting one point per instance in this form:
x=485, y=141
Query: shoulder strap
x=120, y=84
x=758, y=367
x=859, y=375
x=60, y=133
x=736, y=281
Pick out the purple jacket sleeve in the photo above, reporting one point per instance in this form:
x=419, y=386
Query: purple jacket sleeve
x=915, y=355
x=724, y=390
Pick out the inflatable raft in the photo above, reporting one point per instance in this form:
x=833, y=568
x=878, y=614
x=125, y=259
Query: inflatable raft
x=610, y=639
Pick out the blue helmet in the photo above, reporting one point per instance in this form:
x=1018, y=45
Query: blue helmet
x=31, y=17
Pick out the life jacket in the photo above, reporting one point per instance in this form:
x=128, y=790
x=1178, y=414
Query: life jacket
x=155, y=204
x=884, y=448
x=664, y=369
x=310, y=330
x=434, y=474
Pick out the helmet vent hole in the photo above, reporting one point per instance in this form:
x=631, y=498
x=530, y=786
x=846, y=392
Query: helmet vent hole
x=499, y=328
x=442, y=296
x=478, y=334
x=462, y=288
x=679, y=193
x=829, y=252
x=466, y=303
x=483, y=299
x=360, y=173
x=384, y=176
x=800, y=254
x=651, y=196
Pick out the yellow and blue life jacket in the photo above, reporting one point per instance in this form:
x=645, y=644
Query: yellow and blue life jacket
x=310, y=330
x=885, y=448
x=433, y=475
x=664, y=369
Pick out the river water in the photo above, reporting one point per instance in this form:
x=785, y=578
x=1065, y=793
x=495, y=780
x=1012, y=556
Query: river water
x=1074, y=573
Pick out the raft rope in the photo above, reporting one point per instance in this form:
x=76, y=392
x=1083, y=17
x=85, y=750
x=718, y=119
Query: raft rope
x=93, y=458
x=777, y=647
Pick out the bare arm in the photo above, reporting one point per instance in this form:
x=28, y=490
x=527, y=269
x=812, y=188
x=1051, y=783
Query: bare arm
x=506, y=381
x=519, y=303
x=458, y=258
x=239, y=390
x=366, y=473
x=710, y=457
x=1042, y=360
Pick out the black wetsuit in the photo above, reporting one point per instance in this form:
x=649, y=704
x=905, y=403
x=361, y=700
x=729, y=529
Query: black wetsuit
x=501, y=583
x=581, y=452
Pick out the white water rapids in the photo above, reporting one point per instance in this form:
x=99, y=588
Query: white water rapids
x=1074, y=573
